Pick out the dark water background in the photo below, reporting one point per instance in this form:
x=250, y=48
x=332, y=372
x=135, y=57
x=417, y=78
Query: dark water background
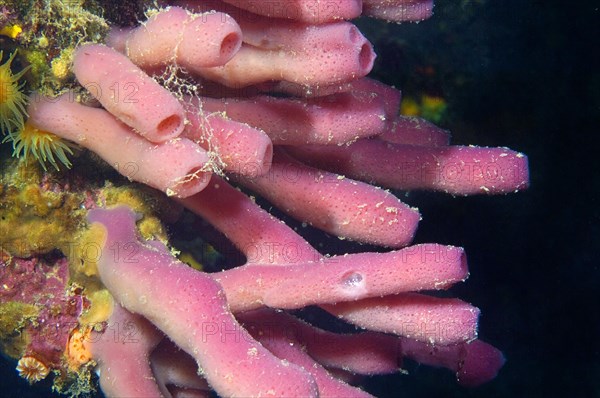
x=526, y=75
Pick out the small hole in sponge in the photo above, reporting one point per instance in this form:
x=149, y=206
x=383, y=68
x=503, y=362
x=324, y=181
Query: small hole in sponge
x=169, y=125
x=366, y=57
x=230, y=44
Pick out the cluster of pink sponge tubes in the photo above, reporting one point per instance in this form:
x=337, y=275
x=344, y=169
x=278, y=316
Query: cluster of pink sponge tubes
x=306, y=150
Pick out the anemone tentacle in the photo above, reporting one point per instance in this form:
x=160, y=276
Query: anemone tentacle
x=12, y=98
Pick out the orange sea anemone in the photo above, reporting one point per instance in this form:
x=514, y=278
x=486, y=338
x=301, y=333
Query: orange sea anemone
x=42, y=145
x=12, y=99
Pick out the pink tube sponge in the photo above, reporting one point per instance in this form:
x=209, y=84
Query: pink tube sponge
x=240, y=148
x=459, y=170
x=338, y=205
x=303, y=10
x=398, y=10
x=133, y=156
x=175, y=35
x=190, y=307
x=414, y=131
x=128, y=93
x=332, y=53
x=280, y=344
x=262, y=238
x=474, y=363
x=362, y=353
x=344, y=278
x=251, y=91
x=334, y=119
x=416, y=316
x=119, y=361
